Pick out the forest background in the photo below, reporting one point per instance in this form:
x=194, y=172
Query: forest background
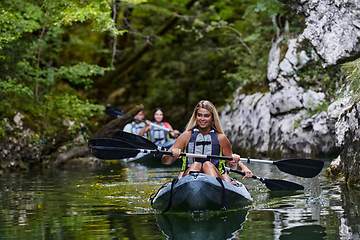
x=63, y=61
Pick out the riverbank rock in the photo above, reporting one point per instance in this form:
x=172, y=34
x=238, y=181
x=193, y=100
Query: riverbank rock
x=282, y=122
x=18, y=153
x=252, y=128
x=332, y=28
x=348, y=138
x=23, y=149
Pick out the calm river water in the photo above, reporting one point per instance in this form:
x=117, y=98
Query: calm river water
x=112, y=202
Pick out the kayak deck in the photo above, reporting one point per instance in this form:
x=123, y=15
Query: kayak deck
x=200, y=192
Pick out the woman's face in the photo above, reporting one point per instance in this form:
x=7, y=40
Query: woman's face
x=158, y=116
x=204, y=118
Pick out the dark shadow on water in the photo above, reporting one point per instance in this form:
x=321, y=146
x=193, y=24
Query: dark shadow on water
x=280, y=194
x=211, y=225
x=310, y=232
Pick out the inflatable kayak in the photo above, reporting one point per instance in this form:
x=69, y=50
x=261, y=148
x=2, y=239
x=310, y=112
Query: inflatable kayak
x=200, y=192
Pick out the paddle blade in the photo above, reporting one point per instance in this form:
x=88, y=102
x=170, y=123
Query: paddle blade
x=114, y=112
x=110, y=153
x=281, y=185
x=135, y=140
x=301, y=167
x=109, y=142
x=107, y=148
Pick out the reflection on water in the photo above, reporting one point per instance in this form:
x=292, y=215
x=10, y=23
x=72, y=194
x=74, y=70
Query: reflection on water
x=350, y=225
x=215, y=225
x=313, y=232
x=113, y=203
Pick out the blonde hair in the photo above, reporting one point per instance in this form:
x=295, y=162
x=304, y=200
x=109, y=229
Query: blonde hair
x=211, y=108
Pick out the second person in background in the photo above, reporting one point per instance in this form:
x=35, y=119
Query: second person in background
x=135, y=126
x=159, y=136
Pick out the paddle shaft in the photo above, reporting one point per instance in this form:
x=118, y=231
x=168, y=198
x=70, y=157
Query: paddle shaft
x=242, y=173
x=248, y=160
x=158, y=152
x=155, y=125
x=161, y=152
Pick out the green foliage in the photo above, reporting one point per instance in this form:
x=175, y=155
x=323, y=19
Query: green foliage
x=314, y=76
x=18, y=17
x=10, y=87
x=352, y=71
x=214, y=49
x=75, y=113
x=34, y=79
x=79, y=73
x=53, y=52
x=266, y=9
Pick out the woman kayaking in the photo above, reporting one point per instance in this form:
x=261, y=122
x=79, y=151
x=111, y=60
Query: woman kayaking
x=204, y=135
x=159, y=136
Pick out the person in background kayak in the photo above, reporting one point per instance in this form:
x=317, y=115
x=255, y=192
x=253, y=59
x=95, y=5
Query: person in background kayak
x=204, y=135
x=135, y=126
x=157, y=135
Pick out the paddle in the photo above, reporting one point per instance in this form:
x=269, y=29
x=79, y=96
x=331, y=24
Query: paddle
x=134, y=140
x=108, y=148
x=272, y=184
x=301, y=167
x=116, y=113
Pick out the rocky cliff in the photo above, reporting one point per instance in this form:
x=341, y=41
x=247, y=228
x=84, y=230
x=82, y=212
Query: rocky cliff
x=281, y=121
x=332, y=28
x=348, y=138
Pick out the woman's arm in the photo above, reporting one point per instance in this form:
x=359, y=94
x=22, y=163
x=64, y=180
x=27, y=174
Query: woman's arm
x=177, y=148
x=245, y=169
x=173, y=133
x=145, y=129
x=235, y=163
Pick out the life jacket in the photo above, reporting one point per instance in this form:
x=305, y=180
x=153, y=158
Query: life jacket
x=136, y=128
x=157, y=135
x=207, y=145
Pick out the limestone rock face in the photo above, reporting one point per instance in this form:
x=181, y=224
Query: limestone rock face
x=348, y=136
x=248, y=124
x=279, y=122
x=252, y=128
x=332, y=28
